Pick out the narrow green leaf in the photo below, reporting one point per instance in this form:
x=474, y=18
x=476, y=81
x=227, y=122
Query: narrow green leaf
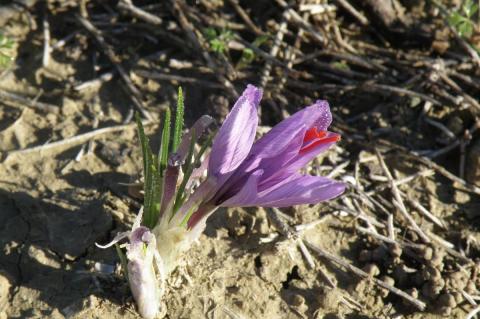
x=163, y=152
x=179, y=115
x=143, y=142
x=150, y=178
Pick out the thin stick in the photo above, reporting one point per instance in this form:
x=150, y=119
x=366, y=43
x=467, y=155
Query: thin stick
x=421, y=209
x=46, y=40
x=401, y=91
x=105, y=77
x=135, y=95
x=390, y=228
x=264, y=79
x=245, y=17
x=387, y=239
x=173, y=77
x=354, y=12
x=274, y=215
x=71, y=141
x=399, y=201
x=135, y=11
x=441, y=127
x=27, y=102
x=197, y=42
x=357, y=271
x=449, y=248
x=297, y=19
x=473, y=313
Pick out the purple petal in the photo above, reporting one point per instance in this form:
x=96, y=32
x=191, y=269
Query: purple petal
x=317, y=115
x=247, y=195
x=235, y=138
x=303, y=158
x=301, y=190
x=169, y=188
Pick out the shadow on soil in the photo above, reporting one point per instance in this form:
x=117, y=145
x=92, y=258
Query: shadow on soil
x=48, y=246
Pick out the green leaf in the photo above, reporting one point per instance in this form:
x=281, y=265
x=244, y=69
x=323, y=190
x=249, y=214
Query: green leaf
x=247, y=56
x=261, y=40
x=153, y=184
x=210, y=33
x=146, y=151
x=163, y=152
x=179, y=115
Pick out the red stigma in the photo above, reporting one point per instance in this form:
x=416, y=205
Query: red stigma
x=317, y=138
x=313, y=134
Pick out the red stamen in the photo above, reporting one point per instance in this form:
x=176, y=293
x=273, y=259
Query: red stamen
x=331, y=139
x=313, y=134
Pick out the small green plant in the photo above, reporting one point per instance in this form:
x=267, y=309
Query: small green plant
x=462, y=19
x=6, y=45
x=218, y=40
x=248, y=55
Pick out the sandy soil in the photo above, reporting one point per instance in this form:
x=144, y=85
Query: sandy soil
x=54, y=204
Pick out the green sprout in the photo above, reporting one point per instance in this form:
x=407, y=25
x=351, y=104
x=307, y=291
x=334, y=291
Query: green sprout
x=218, y=40
x=248, y=55
x=155, y=165
x=6, y=45
x=462, y=19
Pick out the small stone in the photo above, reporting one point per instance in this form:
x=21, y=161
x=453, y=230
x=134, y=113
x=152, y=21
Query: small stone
x=329, y=300
x=431, y=289
x=372, y=270
x=431, y=273
x=437, y=258
x=297, y=300
x=426, y=253
x=457, y=280
x=395, y=250
x=403, y=275
x=447, y=300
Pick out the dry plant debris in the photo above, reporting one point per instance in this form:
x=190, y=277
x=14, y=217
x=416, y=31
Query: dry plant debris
x=402, y=79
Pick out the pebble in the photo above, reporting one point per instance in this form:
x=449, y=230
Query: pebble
x=396, y=250
x=372, y=270
x=431, y=289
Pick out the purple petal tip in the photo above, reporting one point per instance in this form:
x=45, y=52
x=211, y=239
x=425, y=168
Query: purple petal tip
x=253, y=94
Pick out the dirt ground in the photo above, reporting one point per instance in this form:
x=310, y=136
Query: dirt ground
x=403, y=86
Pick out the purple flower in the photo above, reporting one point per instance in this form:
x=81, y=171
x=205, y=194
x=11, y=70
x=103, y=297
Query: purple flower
x=265, y=173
